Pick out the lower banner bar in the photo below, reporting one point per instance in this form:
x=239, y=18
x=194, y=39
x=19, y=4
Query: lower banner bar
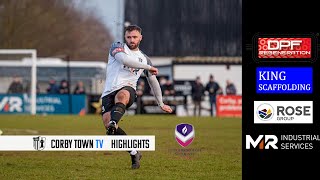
x=76, y=143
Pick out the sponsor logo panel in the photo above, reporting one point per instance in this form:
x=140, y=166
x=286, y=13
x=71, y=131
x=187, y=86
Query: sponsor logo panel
x=276, y=80
x=283, y=112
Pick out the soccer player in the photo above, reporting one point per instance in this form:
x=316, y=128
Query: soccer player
x=126, y=62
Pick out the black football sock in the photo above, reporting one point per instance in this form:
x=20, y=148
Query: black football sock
x=117, y=112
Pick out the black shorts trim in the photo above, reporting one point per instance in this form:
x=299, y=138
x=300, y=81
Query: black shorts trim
x=108, y=100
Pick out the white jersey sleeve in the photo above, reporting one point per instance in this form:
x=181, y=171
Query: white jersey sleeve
x=154, y=84
x=116, y=47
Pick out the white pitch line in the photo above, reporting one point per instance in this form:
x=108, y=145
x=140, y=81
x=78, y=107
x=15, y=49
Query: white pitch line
x=29, y=131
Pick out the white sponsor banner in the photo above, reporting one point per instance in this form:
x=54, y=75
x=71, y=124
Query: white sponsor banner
x=76, y=143
x=283, y=112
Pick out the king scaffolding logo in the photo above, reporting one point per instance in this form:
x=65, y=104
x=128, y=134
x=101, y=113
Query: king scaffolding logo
x=184, y=134
x=39, y=143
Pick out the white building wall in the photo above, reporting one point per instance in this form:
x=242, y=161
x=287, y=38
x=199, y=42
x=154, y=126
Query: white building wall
x=220, y=72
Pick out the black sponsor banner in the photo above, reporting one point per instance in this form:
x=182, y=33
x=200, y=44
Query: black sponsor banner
x=150, y=106
x=280, y=140
x=183, y=87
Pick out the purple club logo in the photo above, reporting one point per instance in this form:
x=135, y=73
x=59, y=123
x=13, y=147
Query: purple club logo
x=184, y=134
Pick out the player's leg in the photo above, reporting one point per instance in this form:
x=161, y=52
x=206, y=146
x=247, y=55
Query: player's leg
x=135, y=155
x=106, y=119
x=121, y=100
x=107, y=104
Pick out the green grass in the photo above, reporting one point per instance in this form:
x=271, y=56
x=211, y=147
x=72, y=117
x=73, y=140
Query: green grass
x=215, y=152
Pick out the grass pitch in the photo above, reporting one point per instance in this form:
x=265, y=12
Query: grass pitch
x=215, y=152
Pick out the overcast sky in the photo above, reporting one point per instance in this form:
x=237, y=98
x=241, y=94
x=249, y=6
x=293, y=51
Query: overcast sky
x=110, y=11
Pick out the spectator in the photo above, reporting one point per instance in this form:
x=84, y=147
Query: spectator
x=28, y=88
x=64, y=87
x=168, y=88
x=197, y=96
x=213, y=89
x=15, y=86
x=53, y=87
x=79, y=89
x=230, y=88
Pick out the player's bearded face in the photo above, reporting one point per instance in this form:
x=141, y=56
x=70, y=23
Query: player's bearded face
x=133, y=39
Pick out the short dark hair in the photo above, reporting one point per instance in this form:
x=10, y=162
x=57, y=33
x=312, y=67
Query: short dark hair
x=133, y=27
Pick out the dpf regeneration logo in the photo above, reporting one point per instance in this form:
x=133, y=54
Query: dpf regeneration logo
x=184, y=134
x=265, y=112
x=284, y=47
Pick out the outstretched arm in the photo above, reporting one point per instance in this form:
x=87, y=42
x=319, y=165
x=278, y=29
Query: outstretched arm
x=131, y=61
x=155, y=86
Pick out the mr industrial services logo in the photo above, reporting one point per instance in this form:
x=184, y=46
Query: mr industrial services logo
x=9, y=104
x=283, y=112
x=184, y=134
x=262, y=142
x=283, y=142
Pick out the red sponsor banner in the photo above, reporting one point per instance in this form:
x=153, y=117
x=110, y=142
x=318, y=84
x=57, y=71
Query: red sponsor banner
x=229, y=106
x=284, y=47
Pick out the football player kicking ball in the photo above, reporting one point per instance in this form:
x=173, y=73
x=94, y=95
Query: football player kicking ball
x=125, y=65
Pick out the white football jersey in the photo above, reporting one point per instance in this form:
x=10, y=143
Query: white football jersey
x=119, y=75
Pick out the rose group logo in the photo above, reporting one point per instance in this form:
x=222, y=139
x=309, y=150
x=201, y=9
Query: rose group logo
x=265, y=112
x=184, y=134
